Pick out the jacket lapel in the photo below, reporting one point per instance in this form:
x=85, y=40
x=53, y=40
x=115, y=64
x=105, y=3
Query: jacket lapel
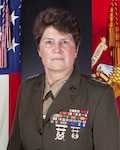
x=65, y=97
x=37, y=100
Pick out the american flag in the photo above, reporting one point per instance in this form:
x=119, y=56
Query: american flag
x=9, y=65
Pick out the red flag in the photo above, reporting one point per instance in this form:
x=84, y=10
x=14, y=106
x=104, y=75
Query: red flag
x=105, y=61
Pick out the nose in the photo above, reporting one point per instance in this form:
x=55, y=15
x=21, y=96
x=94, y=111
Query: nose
x=57, y=47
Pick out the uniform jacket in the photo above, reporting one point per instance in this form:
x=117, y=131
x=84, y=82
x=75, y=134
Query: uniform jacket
x=80, y=92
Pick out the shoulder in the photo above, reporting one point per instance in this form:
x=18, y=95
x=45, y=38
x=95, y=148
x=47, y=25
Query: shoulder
x=88, y=83
x=96, y=89
x=94, y=83
x=93, y=80
x=33, y=80
x=33, y=77
x=87, y=80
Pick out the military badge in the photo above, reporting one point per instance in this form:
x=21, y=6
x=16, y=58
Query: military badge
x=75, y=119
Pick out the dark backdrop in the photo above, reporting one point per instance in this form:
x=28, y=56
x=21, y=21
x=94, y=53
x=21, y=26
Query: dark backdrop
x=30, y=62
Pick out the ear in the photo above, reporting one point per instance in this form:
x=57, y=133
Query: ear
x=39, y=53
x=77, y=50
x=76, y=53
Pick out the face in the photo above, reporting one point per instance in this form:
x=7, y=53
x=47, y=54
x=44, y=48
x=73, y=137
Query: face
x=57, y=50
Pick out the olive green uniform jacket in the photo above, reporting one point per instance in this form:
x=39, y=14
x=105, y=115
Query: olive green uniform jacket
x=101, y=130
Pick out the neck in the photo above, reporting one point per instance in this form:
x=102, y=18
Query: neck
x=54, y=76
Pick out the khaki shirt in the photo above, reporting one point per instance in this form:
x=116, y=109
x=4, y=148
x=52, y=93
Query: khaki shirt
x=55, y=90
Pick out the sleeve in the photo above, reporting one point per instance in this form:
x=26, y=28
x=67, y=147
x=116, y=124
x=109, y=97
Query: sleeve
x=106, y=123
x=15, y=142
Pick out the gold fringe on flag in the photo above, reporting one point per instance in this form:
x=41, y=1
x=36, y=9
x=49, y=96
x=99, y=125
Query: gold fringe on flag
x=114, y=32
x=111, y=31
x=116, y=59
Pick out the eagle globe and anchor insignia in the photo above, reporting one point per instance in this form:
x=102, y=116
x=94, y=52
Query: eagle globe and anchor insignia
x=111, y=75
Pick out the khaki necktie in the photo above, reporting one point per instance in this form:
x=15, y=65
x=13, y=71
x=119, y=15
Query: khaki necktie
x=47, y=102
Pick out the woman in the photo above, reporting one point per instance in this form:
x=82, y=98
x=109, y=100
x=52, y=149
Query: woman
x=63, y=109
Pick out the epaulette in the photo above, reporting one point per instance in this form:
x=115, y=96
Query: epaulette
x=33, y=76
x=98, y=80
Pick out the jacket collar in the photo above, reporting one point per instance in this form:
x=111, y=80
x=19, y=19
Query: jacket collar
x=65, y=96
x=63, y=99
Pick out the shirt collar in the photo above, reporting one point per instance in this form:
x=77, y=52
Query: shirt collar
x=55, y=88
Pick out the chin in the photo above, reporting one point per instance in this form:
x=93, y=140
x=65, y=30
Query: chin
x=57, y=69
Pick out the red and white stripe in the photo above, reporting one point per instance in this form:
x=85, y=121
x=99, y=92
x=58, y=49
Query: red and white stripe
x=9, y=85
